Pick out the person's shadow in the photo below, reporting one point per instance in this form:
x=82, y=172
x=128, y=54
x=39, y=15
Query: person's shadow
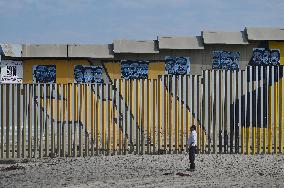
x=189, y=169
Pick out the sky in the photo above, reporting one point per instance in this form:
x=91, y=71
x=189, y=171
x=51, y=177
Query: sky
x=102, y=21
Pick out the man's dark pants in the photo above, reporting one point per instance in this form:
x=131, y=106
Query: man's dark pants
x=192, y=152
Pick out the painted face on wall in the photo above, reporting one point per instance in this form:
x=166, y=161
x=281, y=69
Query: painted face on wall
x=177, y=65
x=257, y=57
x=275, y=57
x=134, y=69
x=225, y=60
x=44, y=73
x=78, y=74
x=88, y=74
x=265, y=57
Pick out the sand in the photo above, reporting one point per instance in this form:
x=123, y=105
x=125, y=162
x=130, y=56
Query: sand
x=146, y=171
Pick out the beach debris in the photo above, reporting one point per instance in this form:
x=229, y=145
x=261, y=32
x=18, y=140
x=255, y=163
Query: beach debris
x=182, y=174
x=168, y=173
x=13, y=167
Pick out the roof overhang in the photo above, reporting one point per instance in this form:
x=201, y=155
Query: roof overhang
x=258, y=33
x=182, y=43
x=213, y=37
x=133, y=46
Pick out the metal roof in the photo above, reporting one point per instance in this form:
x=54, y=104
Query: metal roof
x=212, y=37
x=91, y=51
x=258, y=33
x=44, y=50
x=180, y=42
x=133, y=46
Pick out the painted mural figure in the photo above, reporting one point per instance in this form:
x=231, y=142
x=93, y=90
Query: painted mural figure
x=44, y=74
x=134, y=69
x=275, y=57
x=177, y=65
x=88, y=74
x=226, y=60
x=265, y=57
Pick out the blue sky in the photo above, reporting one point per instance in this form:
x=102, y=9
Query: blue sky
x=101, y=21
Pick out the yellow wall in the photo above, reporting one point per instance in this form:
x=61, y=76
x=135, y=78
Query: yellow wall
x=64, y=69
x=156, y=69
x=280, y=46
x=113, y=70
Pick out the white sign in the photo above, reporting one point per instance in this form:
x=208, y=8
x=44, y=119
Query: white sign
x=11, y=71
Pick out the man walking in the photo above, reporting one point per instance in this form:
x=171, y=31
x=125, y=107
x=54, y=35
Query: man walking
x=192, y=143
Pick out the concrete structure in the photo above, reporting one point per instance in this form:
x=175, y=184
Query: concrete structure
x=181, y=43
x=90, y=51
x=227, y=38
x=131, y=46
x=44, y=50
x=200, y=50
x=258, y=33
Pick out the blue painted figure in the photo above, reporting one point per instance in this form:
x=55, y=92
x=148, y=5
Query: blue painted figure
x=225, y=60
x=177, y=65
x=265, y=57
x=88, y=74
x=134, y=69
x=44, y=74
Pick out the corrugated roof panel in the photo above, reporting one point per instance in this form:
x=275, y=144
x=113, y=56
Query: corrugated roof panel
x=211, y=37
x=133, y=46
x=258, y=33
x=181, y=43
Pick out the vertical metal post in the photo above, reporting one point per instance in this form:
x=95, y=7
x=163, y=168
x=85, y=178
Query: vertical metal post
x=74, y=125
x=107, y=148
x=164, y=115
x=141, y=126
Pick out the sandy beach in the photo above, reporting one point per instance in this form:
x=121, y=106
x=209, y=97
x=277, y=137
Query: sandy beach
x=145, y=171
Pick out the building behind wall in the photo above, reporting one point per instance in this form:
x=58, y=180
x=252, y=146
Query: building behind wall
x=200, y=51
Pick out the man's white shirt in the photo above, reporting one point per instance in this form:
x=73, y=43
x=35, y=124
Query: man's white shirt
x=192, y=140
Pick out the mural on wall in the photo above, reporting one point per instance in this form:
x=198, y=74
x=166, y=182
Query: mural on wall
x=226, y=60
x=11, y=71
x=44, y=74
x=88, y=74
x=177, y=65
x=134, y=69
x=265, y=57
